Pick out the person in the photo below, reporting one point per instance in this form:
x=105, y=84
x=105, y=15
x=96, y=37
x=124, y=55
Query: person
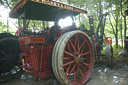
x=18, y=32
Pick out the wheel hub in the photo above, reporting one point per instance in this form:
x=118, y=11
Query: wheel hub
x=78, y=59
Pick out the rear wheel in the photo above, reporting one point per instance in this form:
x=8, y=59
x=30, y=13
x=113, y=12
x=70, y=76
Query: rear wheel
x=72, y=58
x=9, y=55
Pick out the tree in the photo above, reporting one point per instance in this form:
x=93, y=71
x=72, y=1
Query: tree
x=125, y=28
x=8, y=3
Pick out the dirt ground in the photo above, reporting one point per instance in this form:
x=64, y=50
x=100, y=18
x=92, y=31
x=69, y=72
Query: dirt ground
x=101, y=75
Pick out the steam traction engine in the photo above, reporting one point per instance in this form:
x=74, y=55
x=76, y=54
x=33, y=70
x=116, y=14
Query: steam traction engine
x=98, y=40
x=67, y=52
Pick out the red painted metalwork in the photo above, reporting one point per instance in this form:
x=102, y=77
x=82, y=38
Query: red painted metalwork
x=31, y=39
x=97, y=48
x=61, y=31
x=31, y=58
x=88, y=33
x=108, y=40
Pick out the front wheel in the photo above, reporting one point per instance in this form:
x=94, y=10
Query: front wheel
x=109, y=55
x=72, y=58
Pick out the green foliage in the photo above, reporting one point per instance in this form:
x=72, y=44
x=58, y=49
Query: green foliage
x=8, y=3
x=2, y=28
x=116, y=52
x=35, y=25
x=5, y=29
x=115, y=47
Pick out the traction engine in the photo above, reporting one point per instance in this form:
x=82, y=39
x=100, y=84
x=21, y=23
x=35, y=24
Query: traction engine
x=98, y=40
x=67, y=52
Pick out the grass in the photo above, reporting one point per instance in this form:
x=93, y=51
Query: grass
x=115, y=52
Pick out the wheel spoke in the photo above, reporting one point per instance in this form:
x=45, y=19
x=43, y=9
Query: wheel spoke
x=80, y=72
x=16, y=52
x=78, y=46
x=75, y=41
x=4, y=53
x=77, y=71
x=72, y=45
x=69, y=48
x=68, y=53
x=85, y=53
x=82, y=50
x=67, y=70
x=74, y=75
x=82, y=45
x=66, y=58
x=72, y=70
x=68, y=63
x=82, y=67
x=86, y=64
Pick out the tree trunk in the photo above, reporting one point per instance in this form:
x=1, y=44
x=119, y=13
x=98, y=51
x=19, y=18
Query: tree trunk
x=79, y=19
x=7, y=26
x=8, y=4
x=116, y=32
x=43, y=24
x=33, y=25
x=100, y=11
x=125, y=29
x=121, y=32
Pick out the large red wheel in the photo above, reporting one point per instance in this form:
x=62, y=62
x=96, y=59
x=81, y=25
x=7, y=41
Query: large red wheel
x=72, y=58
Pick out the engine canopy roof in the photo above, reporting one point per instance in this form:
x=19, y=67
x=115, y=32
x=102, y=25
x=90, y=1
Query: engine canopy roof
x=45, y=10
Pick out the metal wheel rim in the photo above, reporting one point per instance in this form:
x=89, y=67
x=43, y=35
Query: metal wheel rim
x=60, y=68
